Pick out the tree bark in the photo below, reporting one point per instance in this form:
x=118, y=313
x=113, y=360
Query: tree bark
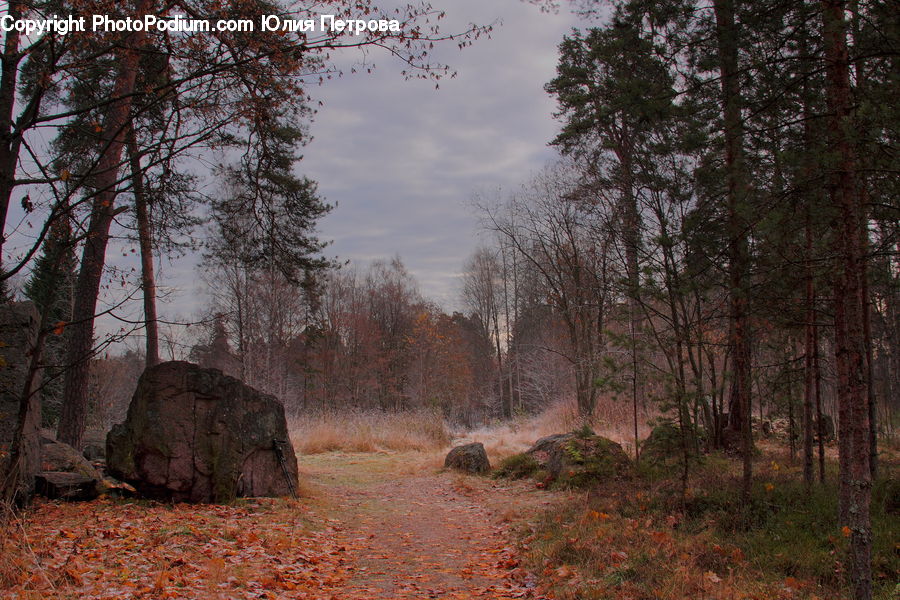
x=9, y=70
x=145, y=240
x=93, y=258
x=817, y=374
x=809, y=381
x=871, y=398
x=16, y=484
x=727, y=40
x=632, y=242
x=849, y=306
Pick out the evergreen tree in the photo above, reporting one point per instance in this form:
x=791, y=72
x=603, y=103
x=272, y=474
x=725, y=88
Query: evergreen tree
x=50, y=288
x=614, y=94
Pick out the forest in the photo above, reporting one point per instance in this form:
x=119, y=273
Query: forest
x=677, y=343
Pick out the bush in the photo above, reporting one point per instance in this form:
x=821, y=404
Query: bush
x=518, y=466
x=665, y=443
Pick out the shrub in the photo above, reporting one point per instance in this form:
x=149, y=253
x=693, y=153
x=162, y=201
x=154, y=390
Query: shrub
x=518, y=466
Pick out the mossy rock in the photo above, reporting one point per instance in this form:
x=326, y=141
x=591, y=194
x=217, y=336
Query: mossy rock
x=580, y=459
x=62, y=458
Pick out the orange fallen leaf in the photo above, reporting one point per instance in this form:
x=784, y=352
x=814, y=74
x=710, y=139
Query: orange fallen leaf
x=712, y=577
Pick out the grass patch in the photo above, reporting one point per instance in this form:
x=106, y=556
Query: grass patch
x=642, y=539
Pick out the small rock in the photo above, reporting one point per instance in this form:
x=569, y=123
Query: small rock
x=118, y=489
x=59, y=457
x=94, y=452
x=470, y=458
x=58, y=485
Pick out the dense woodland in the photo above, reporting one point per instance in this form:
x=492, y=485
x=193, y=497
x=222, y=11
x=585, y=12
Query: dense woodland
x=716, y=245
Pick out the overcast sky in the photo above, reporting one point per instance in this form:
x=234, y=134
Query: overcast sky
x=402, y=160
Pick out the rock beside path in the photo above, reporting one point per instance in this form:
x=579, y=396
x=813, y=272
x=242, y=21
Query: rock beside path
x=469, y=458
x=196, y=435
x=580, y=459
x=59, y=485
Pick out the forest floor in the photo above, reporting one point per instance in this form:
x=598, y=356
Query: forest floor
x=393, y=526
x=368, y=526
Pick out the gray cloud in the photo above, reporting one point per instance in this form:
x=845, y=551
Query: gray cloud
x=402, y=159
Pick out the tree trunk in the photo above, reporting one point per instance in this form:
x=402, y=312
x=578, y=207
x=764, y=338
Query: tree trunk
x=93, y=258
x=809, y=381
x=871, y=399
x=17, y=483
x=849, y=307
x=632, y=242
x=9, y=70
x=145, y=240
x=817, y=374
x=508, y=402
x=726, y=35
x=861, y=80
x=792, y=428
x=584, y=390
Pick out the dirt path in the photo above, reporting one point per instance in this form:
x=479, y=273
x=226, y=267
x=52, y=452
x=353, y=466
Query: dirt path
x=367, y=527
x=411, y=532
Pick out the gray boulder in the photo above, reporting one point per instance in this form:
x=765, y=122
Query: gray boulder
x=56, y=456
x=469, y=458
x=93, y=446
x=196, y=435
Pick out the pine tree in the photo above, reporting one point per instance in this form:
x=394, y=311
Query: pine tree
x=50, y=287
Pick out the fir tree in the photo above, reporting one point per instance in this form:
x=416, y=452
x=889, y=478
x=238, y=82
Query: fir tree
x=50, y=288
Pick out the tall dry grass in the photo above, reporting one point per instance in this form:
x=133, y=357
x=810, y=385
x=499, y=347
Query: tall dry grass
x=369, y=431
x=612, y=419
x=427, y=431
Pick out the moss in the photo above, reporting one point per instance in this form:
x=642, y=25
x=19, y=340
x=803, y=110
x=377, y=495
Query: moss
x=573, y=453
x=589, y=461
x=518, y=466
x=584, y=432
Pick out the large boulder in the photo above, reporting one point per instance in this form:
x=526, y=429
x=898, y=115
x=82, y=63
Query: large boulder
x=196, y=435
x=580, y=459
x=19, y=323
x=469, y=458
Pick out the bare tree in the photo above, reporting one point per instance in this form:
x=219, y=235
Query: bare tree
x=481, y=296
x=558, y=238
